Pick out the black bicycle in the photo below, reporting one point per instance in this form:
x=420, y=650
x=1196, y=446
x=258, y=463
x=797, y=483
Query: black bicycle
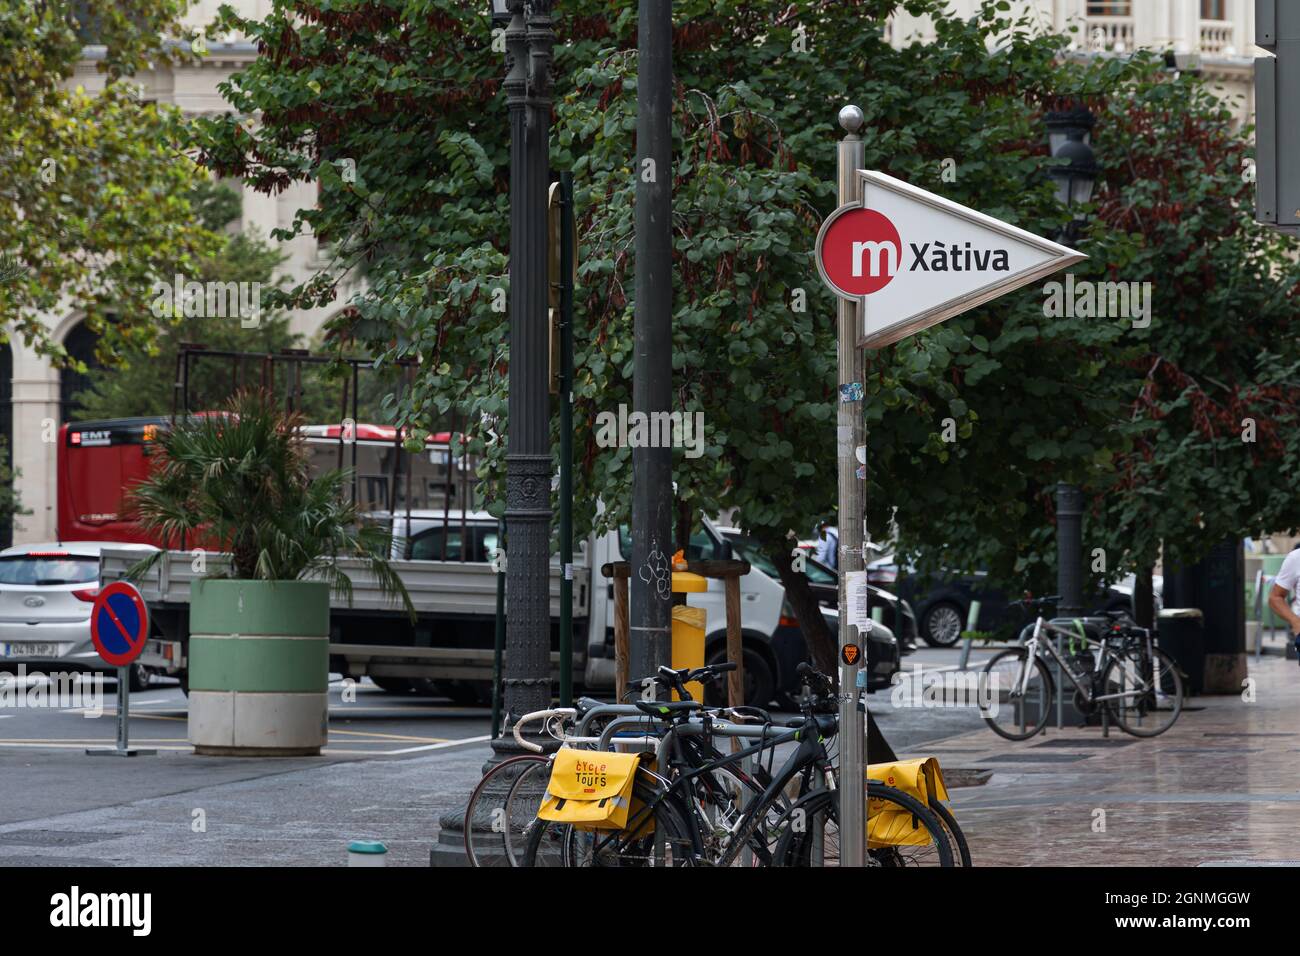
x=670, y=826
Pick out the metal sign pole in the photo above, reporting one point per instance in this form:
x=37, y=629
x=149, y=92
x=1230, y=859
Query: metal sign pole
x=123, y=707
x=123, y=748
x=850, y=432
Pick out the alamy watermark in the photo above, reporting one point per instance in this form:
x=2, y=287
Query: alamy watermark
x=1085, y=299
x=936, y=688
x=624, y=429
x=65, y=690
x=209, y=300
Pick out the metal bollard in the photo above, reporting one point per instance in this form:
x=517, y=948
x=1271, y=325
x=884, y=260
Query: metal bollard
x=367, y=853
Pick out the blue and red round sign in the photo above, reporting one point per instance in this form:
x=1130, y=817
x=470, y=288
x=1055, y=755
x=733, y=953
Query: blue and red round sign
x=119, y=623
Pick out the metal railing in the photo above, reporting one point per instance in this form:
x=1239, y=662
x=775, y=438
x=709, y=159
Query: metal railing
x=1216, y=36
x=1109, y=34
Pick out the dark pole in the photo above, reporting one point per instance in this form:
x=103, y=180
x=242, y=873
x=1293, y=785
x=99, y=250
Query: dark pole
x=1069, y=549
x=528, y=459
x=567, y=254
x=652, y=491
x=499, y=634
x=526, y=685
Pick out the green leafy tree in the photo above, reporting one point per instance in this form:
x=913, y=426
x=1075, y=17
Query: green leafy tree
x=1212, y=427
x=1034, y=398
x=94, y=188
x=11, y=505
x=142, y=381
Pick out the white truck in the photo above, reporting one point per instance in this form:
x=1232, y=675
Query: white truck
x=445, y=559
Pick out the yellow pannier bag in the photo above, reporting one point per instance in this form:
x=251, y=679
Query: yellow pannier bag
x=590, y=789
x=891, y=825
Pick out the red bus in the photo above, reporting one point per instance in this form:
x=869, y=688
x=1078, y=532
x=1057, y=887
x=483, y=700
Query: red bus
x=99, y=461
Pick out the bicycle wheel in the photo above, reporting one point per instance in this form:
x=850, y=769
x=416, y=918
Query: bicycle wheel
x=487, y=833
x=1013, y=707
x=812, y=838
x=1150, y=697
x=670, y=843
x=522, y=802
x=722, y=796
x=956, y=839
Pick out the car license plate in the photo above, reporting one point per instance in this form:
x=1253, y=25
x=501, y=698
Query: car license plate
x=30, y=650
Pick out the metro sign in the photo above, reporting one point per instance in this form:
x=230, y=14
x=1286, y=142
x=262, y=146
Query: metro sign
x=912, y=259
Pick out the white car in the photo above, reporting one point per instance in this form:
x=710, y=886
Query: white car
x=46, y=593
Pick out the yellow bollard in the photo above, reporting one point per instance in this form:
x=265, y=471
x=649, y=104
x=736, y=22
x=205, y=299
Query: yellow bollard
x=688, y=630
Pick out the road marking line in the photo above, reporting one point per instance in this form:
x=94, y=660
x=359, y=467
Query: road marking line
x=449, y=743
x=113, y=713
x=88, y=743
x=429, y=711
x=374, y=733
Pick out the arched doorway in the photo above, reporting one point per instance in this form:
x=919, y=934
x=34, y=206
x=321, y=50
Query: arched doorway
x=80, y=343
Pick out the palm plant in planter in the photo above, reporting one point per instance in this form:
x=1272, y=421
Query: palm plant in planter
x=240, y=482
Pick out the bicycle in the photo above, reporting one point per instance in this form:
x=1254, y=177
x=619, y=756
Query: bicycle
x=505, y=801
x=1138, y=684
x=680, y=832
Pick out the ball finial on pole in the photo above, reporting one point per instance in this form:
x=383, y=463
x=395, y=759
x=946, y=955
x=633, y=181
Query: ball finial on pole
x=852, y=118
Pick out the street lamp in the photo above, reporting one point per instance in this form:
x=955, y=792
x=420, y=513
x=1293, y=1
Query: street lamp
x=530, y=40
x=1061, y=123
x=527, y=86
x=1069, y=133
x=1075, y=177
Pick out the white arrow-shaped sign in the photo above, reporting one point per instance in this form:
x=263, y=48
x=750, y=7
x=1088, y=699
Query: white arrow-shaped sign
x=912, y=259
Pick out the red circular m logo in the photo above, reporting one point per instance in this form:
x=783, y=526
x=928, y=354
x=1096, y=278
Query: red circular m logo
x=860, y=252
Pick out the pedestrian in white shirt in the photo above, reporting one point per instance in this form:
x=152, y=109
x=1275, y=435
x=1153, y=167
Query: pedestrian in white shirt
x=828, y=545
x=1286, y=585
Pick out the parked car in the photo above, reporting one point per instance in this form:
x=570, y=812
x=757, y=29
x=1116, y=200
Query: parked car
x=46, y=593
x=883, y=646
x=942, y=600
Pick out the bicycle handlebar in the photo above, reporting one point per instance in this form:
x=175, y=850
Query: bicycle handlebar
x=538, y=715
x=678, y=679
x=814, y=678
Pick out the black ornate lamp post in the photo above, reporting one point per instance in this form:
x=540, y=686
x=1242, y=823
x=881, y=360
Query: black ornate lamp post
x=1069, y=133
x=529, y=39
x=527, y=681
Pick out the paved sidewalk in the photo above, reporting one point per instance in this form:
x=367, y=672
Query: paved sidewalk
x=1223, y=784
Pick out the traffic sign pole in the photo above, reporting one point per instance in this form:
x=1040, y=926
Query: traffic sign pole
x=119, y=626
x=900, y=259
x=851, y=433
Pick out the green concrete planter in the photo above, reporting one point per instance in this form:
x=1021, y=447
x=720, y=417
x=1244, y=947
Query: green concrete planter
x=259, y=667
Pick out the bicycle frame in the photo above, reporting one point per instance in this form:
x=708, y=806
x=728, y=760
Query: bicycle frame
x=1036, y=647
x=811, y=753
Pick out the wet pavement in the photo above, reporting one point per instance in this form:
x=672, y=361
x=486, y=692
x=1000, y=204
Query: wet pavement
x=1222, y=785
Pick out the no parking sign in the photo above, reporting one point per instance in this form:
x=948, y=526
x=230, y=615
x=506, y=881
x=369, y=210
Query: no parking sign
x=119, y=623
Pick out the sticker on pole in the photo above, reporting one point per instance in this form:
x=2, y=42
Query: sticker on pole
x=911, y=259
x=119, y=623
x=850, y=654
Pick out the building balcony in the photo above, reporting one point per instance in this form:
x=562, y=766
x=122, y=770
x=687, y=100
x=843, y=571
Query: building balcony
x=1218, y=37
x=1109, y=34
